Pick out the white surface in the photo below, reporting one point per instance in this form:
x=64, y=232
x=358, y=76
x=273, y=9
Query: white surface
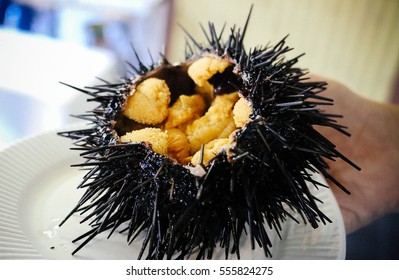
x=38, y=189
x=35, y=65
x=32, y=100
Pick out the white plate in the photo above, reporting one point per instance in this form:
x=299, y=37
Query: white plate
x=38, y=189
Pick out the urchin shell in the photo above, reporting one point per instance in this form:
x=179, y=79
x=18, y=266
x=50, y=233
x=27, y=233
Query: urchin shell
x=245, y=190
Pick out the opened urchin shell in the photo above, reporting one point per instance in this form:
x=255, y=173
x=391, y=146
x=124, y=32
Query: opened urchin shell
x=242, y=190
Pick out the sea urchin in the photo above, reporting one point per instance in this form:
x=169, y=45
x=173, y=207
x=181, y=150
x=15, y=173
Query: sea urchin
x=197, y=154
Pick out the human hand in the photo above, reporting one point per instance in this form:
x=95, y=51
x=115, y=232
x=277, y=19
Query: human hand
x=374, y=146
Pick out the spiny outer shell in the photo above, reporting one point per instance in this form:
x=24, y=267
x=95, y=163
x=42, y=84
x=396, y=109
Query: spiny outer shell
x=131, y=187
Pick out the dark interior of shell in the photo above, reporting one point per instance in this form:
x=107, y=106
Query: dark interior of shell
x=154, y=169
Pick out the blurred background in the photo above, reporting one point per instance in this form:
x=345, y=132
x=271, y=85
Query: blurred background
x=44, y=42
